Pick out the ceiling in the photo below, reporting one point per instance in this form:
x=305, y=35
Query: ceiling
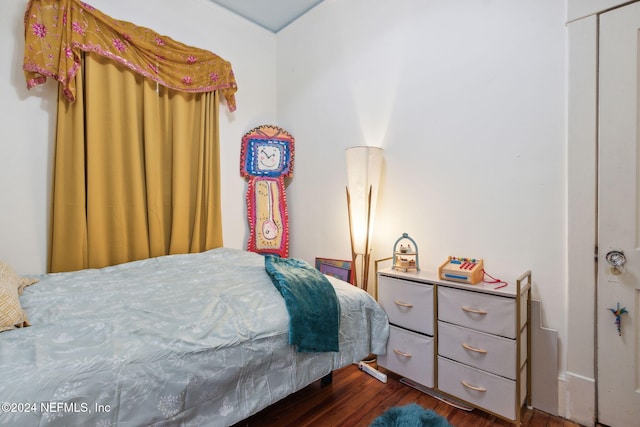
x=273, y=15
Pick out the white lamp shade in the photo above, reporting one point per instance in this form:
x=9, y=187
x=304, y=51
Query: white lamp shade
x=364, y=166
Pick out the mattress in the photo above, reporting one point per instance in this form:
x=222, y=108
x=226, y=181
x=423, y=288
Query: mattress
x=197, y=339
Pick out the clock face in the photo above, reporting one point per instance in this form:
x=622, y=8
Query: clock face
x=266, y=156
x=269, y=157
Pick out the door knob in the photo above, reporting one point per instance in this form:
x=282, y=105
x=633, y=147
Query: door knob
x=617, y=261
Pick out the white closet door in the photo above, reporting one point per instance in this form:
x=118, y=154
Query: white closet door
x=618, y=373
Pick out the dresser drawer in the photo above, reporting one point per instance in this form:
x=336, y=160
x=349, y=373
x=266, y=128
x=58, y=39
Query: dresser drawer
x=480, y=350
x=491, y=392
x=407, y=304
x=482, y=312
x=409, y=354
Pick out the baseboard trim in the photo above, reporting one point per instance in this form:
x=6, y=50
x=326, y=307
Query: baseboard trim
x=577, y=398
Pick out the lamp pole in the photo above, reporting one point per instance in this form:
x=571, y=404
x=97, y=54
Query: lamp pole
x=366, y=256
x=364, y=166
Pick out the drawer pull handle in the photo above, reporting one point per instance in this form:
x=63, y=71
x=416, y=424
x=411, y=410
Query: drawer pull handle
x=473, y=310
x=482, y=389
x=403, y=304
x=477, y=350
x=401, y=353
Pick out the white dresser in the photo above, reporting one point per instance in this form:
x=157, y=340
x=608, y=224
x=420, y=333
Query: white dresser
x=469, y=342
x=411, y=346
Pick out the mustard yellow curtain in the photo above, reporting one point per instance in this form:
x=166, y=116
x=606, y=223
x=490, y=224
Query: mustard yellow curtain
x=136, y=170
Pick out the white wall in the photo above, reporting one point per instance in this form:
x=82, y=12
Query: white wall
x=468, y=100
x=27, y=118
x=27, y=123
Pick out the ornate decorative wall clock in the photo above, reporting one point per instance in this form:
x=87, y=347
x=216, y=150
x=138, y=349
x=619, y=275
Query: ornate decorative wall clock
x=266, y=159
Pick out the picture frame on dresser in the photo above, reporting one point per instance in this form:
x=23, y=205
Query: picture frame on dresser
x=337, y=268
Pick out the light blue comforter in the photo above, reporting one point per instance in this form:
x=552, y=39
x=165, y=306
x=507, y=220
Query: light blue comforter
x=199, y=339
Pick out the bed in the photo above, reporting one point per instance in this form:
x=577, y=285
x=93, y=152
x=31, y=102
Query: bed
x=197, y=339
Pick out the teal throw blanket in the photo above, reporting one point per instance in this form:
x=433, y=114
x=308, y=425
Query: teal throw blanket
x=312, y=303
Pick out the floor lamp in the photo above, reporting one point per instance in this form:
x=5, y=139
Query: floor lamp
x=364, y=165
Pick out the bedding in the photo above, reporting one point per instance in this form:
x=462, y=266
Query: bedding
x=198, y=339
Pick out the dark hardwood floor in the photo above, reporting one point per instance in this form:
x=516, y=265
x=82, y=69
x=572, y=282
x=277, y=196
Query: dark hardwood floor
x=356, y=399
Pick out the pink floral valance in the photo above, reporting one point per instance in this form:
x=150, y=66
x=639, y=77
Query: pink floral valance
x=56, y=31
